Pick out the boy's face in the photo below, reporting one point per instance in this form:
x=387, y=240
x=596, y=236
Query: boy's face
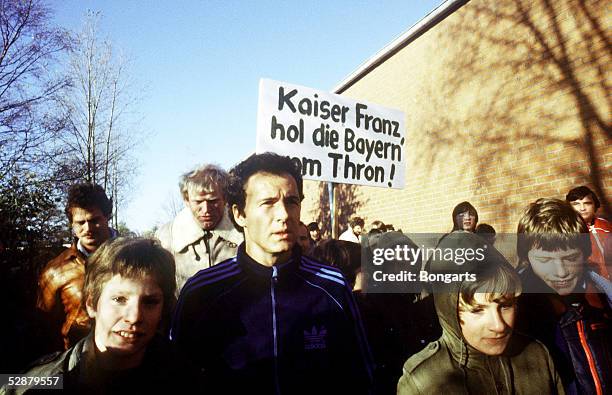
x=487, y=325
x=127, y=316
x=585, y=207
x=467, y=221
x=559, y=269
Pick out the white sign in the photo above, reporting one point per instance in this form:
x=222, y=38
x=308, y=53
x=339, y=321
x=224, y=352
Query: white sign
x=331, y=137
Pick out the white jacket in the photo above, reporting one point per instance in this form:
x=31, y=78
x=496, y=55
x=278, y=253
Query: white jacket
x=348, y=235
x=185, y=239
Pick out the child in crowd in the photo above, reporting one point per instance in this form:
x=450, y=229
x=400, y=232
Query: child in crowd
x=478, y=351
x=129, y=294
x=566, y=305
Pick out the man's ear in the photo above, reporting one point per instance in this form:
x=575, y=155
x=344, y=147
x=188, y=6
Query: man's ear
x=91, y=311
x=238, y=216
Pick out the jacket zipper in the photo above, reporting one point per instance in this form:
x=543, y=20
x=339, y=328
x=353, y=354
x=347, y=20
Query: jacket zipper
x=207, y=237
x=272, y=286
x=589, y=356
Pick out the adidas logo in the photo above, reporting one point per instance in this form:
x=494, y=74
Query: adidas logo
x=315, y=339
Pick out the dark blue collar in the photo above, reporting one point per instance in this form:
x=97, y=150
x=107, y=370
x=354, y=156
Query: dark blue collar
x=255, y=267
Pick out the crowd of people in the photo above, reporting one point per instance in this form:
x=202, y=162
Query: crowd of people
x=236, y=294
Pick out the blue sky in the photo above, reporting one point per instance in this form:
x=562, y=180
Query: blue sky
x=197, y=65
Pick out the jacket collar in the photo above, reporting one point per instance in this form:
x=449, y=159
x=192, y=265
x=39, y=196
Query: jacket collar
x=82, y=249
x=257, y=268
x=83, y=363
x=186, y=231
x=82, y=360
x=73, y=253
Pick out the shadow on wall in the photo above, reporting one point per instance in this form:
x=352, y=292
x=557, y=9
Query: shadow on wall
x=347, y=204
x=533, y=74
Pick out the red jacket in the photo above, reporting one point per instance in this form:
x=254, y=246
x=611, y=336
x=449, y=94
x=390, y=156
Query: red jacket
x=601, y=247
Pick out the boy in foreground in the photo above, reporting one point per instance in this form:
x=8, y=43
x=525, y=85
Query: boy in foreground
x=478, y=351
x=129, y=293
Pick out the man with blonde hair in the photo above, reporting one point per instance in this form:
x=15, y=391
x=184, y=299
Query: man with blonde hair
x=201, y=235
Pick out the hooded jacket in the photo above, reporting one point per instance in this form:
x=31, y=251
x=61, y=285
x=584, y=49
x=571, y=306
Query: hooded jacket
x=451, y=366
x=195, y=249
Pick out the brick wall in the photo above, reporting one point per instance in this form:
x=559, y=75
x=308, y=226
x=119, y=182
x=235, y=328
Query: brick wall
x=505, y=102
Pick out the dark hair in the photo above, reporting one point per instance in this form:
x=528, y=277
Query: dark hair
x=485, y=229
x=267, y=162
x=132, y=258
x=462, y=208
x=580, y=193
x=88, y=196
x=345, y=255
x=356, y=221
x=303, y=225
x=378, y=225
x=313, y=226
x=551, y=224
x=390, y=228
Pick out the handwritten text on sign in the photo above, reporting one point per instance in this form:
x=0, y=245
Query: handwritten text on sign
x=331, y=137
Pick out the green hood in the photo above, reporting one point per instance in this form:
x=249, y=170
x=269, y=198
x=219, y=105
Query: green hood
x=446, y=296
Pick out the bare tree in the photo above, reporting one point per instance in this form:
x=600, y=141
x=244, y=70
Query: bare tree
x=30, y=46
x=97, y=106
x=172, y=205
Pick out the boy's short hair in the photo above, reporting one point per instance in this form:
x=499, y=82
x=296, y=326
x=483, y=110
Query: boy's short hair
x=551, y=224
x=499, y=281
x=580, y=193
x=485, y=229
x=312, y=226
x=356, y=221
x=205, y=178
x=267, y=162
x=378, y=225
x=88, y=196
x=132, y=258
x=487, y=232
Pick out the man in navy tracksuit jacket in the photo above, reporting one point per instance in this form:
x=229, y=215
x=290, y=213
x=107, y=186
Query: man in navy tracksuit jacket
x=271, y=320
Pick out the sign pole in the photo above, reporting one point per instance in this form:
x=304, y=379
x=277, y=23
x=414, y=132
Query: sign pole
x=332, y=209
